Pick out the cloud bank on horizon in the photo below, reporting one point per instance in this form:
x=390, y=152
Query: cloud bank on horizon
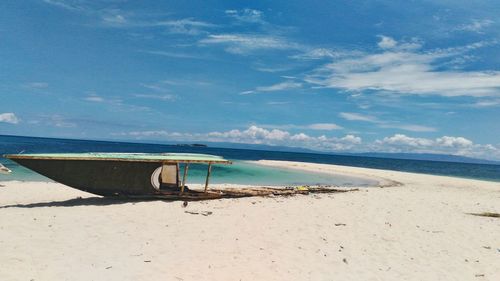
x=346, y=76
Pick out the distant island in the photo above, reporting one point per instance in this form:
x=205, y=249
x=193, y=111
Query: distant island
x=192, y=144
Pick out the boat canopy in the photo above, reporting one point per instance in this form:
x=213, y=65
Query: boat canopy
x=138, y=157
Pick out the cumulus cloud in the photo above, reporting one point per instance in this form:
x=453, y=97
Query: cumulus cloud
x=8, y=117
x=442, y=145
x=398, y=143
x=259, y=135
x=403, y=68
x=386, y=42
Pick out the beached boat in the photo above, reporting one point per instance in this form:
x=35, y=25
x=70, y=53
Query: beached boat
x=142, y=175
x=119, y=174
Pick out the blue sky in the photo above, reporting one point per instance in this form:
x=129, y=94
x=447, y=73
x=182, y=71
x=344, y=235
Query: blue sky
x=392, y=76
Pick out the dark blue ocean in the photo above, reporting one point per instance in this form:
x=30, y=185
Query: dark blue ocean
x=241, y=172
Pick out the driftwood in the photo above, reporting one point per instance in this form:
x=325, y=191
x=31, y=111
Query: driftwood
x=210, y=194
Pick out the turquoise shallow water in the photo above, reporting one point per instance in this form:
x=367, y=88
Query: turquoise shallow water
x=241, y=172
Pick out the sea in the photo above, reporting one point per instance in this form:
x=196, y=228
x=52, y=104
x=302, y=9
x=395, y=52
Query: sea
x=243, y=171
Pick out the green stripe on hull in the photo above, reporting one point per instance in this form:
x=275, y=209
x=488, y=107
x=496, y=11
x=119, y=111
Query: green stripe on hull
x=145, y=157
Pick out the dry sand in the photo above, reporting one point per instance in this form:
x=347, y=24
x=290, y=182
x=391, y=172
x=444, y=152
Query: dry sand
x=420, y=230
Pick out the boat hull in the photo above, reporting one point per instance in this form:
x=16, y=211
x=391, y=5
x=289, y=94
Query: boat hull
x=106, y=178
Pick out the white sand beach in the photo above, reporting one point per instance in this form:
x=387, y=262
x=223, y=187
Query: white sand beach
x=419, y=229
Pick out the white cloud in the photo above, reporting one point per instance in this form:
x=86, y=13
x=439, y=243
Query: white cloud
x=186, y=26
x=94, y=98
x=36, y=85
x=321, y=53
x=246, y=16
x=277, y=102
x=398, y=143
x=487, y=103
x=73, y=5
x=259, y=135
x=60, y=121
x=246, y=43
x=247, y=92
x=113, y=18
x=117, y=104
x=385, y=124
x=454, y=142
x=352, y=139
x=386, y=42
x=358, y=117
x=164, y=97
x=315, y=126
x=178, y=55
x=324, y=126
x=272, y=69
x=404, y=69
x=116, y=18
x=476, y=26
x=159, y=133
x=287, y=85
x=55, y=120
x=405, y=141
x=407, y=127
x=443, y=145
x=8, y=117
x=282, y=86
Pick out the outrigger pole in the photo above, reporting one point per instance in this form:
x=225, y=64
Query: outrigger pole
x=208, y=175
x=184, y=177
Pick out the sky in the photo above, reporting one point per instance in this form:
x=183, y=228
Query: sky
x=336, y=76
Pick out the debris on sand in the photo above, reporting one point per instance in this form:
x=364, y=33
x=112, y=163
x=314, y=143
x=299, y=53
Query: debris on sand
x=486, y=214
x=203, y=213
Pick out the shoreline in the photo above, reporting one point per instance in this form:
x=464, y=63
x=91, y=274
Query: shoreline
x=334, y=170
x=419, y=230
